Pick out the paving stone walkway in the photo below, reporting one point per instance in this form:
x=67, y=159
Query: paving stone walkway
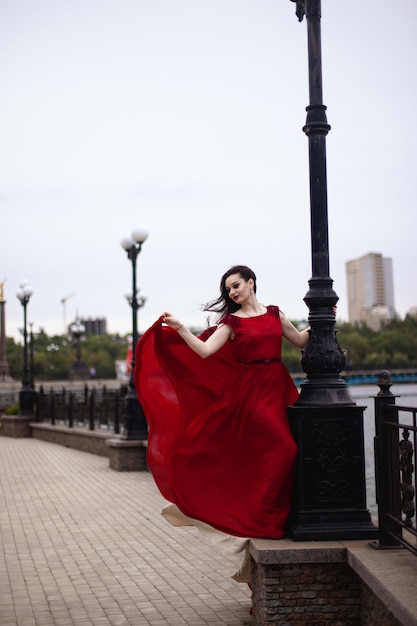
x=84, y=545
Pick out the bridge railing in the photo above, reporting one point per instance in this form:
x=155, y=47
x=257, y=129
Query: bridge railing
x=395, y=472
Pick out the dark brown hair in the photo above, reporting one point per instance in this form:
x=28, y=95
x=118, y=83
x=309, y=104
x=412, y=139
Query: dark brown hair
x=223, y=304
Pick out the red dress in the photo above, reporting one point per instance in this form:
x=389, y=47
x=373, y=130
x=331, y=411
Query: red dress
x=219, y=443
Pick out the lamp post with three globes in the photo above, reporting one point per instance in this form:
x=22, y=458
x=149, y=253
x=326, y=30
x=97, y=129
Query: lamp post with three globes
x=27, y=394
x=135, y=422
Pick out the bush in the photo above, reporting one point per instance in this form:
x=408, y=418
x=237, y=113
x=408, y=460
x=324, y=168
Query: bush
x=12, y=410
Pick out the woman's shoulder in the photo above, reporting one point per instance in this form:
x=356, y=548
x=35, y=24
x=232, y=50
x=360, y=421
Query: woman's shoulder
x=273, y=310
x=231, y=320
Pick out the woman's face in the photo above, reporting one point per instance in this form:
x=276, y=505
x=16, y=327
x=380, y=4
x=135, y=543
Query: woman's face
x=238, y=289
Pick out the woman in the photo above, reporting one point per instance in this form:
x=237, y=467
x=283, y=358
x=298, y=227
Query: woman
x=220, y=446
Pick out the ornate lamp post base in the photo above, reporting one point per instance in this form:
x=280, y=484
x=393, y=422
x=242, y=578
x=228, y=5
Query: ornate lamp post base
x=330, y=492
x=27, y=402
x=135, y=422
x=78, y=371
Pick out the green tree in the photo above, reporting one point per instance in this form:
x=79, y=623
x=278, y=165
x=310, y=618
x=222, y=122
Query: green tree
x=393, y=347
x=54, y=355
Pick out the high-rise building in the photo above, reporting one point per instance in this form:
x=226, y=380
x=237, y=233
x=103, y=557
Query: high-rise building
x=96, y=326
x=370, y=288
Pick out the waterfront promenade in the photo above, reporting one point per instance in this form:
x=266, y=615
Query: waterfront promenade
x=84, y=545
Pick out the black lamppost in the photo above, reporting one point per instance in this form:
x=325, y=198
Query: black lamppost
x=78, y=369
x=31, y=351
x=27, y=394
x=330, y=494
x=141, y=299
x=135, y=422
x=77, y=330
x=52, y=349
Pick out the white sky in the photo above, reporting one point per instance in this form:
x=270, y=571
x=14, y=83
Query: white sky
x=186, y=116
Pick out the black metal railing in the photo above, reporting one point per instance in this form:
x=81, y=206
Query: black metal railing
x=395, y=473
x=86, y=407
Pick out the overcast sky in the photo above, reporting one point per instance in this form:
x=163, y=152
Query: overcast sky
x=185, y=117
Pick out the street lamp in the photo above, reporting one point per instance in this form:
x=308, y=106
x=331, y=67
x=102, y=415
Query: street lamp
x=27, y=394
x=140, y=298
x=52, y=349
x=135, y=422
x=31, y=350
x=77, y=330
x=78, y=369
x=330, y=493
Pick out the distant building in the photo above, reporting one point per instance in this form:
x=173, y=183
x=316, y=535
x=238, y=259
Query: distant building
x=95, y=327
x=370, y=288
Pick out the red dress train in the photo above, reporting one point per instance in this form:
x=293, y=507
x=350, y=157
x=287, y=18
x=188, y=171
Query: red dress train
x=219, y=443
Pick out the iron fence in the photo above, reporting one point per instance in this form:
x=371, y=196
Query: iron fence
x=395, y=472
x=85, y=407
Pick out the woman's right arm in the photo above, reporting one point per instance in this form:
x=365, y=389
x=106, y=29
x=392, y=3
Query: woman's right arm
x=202, y=348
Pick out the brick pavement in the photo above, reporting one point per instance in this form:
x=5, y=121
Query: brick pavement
x=84, y=545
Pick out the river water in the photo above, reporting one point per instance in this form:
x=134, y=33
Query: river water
x=363, y=395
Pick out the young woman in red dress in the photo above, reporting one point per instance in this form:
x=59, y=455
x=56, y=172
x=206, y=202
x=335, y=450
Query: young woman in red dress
x=220, y=447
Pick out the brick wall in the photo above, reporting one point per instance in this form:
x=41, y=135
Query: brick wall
x=332, y=584
x=373, y=611
x=301, y=594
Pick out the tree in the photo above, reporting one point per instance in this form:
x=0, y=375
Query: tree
x=393, y=347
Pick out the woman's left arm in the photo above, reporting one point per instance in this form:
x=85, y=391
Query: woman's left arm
x=298, y=338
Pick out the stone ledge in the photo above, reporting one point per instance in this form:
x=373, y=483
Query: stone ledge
x=390, y=574
x=127, y=455
x=273, y=552
x=16, y=425
x=93, y=441
x=126, y=443
x=81, y=430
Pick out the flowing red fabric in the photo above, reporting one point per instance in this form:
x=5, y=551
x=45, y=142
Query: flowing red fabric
x=219, y=443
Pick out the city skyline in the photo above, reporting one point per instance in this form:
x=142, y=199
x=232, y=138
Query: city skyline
x=369, y=283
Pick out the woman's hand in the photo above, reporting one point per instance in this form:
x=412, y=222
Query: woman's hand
x=171, y=321
x=202, y=348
